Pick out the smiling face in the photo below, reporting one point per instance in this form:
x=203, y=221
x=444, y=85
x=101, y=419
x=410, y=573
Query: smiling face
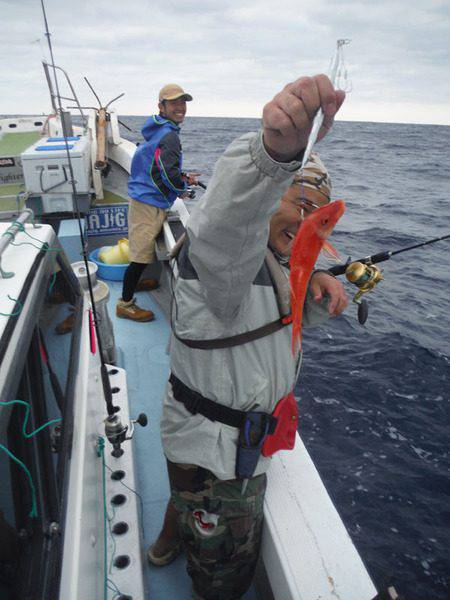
x=295, y=205
x=174, y=110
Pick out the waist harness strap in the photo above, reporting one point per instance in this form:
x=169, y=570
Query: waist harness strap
x=196, y=403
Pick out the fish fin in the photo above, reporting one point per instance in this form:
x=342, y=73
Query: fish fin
x=331, y=251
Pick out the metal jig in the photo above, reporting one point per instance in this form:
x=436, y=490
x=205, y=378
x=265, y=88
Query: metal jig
x=338, y=77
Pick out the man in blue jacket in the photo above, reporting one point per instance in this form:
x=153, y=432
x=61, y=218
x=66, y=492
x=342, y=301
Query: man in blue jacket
x=155, y=182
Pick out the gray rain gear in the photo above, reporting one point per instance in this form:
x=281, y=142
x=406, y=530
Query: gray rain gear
x=224, y=288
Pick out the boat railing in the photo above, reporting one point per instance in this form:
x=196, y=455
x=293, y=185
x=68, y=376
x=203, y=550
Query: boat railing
x=54, y=96
x=9, y=236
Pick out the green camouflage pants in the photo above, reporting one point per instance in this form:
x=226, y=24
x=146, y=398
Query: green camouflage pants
x=220, y=529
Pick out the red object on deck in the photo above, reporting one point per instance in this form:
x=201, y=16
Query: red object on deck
x=92, y=333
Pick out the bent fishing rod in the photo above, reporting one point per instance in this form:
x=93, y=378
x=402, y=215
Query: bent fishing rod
x=365, y=275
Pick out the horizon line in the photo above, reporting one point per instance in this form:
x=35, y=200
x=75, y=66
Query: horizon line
x=18, y=115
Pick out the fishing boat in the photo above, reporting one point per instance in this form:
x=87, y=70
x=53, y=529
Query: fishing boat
x=84, y=487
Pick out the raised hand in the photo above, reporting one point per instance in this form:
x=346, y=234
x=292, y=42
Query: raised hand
x=288, y=118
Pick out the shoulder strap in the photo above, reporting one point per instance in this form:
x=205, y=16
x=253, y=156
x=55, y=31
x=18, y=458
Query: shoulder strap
x=236, y=340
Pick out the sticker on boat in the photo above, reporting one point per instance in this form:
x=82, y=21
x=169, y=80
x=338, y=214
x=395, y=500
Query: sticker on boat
x=108, y=220
x=7, y=162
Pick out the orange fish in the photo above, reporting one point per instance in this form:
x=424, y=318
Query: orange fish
x=309, y=241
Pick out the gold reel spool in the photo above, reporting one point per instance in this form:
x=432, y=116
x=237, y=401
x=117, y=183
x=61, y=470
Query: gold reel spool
x=365, y=277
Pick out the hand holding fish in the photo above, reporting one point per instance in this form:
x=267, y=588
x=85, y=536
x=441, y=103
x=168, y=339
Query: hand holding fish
x=322, y=284
x=288, y=118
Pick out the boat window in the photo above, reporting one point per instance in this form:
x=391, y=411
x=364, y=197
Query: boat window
x=12, y=125
x=38, y=123
x=34, y=452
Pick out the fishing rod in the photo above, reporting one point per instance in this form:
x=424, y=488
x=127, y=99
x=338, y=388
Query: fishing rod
x=190, y=190
x=111, y=409
x=365, y=275
x=382, y=256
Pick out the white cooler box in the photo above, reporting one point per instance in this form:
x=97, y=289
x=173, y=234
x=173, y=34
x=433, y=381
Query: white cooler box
x=47, y=175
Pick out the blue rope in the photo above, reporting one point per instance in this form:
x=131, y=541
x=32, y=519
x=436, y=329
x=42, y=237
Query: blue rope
x=33, y=513
x=27, y=415
x=16, y=312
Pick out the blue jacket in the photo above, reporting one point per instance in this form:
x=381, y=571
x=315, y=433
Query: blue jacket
x=156, y=166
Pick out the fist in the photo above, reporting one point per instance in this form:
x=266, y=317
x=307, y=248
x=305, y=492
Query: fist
x=288, y=118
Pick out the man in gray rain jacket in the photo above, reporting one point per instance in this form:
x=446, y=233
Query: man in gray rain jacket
x=225, y=288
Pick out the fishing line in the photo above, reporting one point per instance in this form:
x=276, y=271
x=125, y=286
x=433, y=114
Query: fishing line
x=141, y=502
x=111, y=409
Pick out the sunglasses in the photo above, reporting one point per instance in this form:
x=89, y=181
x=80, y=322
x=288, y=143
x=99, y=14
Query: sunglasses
x=306, y=205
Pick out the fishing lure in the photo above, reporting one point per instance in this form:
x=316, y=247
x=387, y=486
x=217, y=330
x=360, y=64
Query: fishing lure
x=338, y=77
x=310, y=239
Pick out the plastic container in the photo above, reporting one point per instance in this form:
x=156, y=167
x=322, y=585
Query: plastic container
x=80, y=272
x=108, y=272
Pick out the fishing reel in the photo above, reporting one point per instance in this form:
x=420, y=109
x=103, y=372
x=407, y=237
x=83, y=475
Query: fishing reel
x=116, y=432
x=365, y=277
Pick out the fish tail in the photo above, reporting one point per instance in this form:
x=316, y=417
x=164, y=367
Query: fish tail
x=296, y=340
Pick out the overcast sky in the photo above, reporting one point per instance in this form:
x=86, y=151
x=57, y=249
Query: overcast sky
x=231, y=55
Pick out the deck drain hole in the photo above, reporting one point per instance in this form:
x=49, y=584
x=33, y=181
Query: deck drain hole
x=113, y=371
x=122, y=597
x=122, y=561
x=115, y=390
x=120, y=528
x=118, y=499
x=118, y=475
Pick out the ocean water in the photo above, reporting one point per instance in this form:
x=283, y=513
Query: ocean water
x=375, y=400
